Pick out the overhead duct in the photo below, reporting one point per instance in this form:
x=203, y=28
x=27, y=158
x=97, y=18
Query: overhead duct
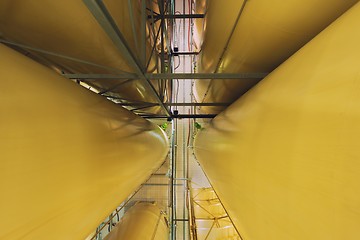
x=284, y=158
x=68, y=156
x=256, y=36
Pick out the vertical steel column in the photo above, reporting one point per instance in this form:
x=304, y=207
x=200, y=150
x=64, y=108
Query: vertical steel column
x=162, y=26
x=161, y=4
x=172, y=180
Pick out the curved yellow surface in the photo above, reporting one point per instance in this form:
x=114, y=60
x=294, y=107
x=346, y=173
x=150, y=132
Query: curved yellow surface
x=267, y=33
x=209, y=209
x=68, y=27
x=144, y=221
x=220, y=229
x=284, y=158
x=200, y=8
x=68, y=156
x=202, y=194
x=206, y=204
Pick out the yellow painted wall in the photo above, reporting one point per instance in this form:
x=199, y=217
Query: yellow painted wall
x=284, y=158
x=68, y=156
x=267, y=33
x=144, y=221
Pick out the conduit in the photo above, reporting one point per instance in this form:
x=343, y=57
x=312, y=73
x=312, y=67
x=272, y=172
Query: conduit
x=143, y=221
x=256, y=39
x=68, y=156
x=284, y=158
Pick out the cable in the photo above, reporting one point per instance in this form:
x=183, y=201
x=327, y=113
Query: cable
x=177, y=31
x=177, y=90
x=190, y=11
x=177, y=66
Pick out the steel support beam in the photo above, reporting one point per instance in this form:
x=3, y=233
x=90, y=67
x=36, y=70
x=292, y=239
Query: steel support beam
x=196, y=104
x=161, y=4
x=102, y=76
x=207, y=76
x=136, y=104
x=178, y=16
x=194, y=116
x=38, y=50
x=101, y=14
x=181, y=116
x=184, y=53
x=157, y=76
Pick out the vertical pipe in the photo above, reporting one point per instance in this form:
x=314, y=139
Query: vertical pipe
x=260, y=42
x=75, y=155
x=184, y=173
x=172, y=180
x=286, y=153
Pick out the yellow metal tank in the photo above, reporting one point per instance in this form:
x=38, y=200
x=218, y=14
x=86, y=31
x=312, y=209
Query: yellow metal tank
x=68, y=156
x=68, y=28
x=200, y=8
x=266, y=34
x=284, y=158
x=143, y=221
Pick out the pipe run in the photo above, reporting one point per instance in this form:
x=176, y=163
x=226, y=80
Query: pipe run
x=284, y=158
x=68, y=156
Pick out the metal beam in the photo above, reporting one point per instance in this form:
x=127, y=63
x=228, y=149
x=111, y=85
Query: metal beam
x=196, y=104
x=115, y=87
x=102, y=76
x=162, y=31
x=136, y=104
x=131, y=101
x=157, y=76
x=184, y=53
x=207, y=75
x=155, y=37
x=181, y=116
x=178, y=16
x=160, y=184
x=42, y=51
x=194, y=116
x=161, y=4
x=101, y=14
